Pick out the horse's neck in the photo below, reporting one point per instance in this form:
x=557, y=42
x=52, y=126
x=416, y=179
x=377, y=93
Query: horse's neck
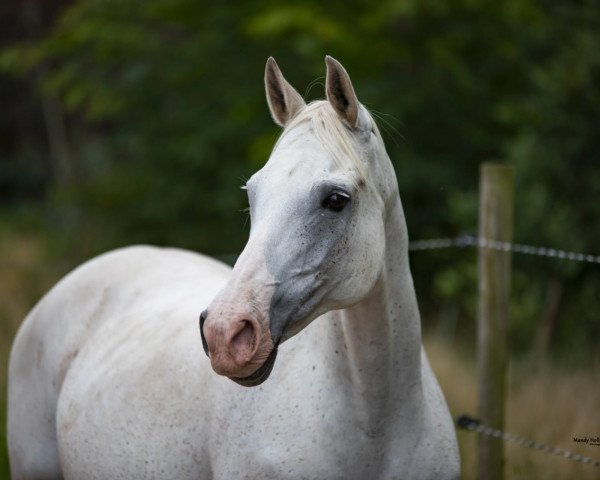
x=382, y=336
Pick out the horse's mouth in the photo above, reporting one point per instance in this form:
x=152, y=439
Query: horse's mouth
x=261, y=373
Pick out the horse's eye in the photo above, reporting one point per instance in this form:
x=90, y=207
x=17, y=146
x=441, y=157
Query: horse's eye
x=336, y=201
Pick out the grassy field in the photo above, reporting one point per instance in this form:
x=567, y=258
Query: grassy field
x=545, y=403
x=24, y=276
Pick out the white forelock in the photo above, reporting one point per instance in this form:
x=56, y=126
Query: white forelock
x=335, y=136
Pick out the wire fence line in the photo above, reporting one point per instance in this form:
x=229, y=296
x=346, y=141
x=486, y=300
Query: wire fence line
x=465, y=241
x=464, y=421
x=468, y=423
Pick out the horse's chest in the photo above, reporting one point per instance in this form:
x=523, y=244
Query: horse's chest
x=300, y=450
x=296, y=433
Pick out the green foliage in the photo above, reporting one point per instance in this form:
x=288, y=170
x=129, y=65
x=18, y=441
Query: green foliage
x=175, y=90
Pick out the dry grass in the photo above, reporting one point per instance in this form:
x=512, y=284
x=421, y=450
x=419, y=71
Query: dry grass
x=545, y=404
x=24, y=277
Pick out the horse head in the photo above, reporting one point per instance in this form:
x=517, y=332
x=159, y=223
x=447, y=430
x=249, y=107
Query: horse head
x=317, y=238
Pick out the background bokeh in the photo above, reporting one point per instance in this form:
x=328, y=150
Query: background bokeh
x=136, y=122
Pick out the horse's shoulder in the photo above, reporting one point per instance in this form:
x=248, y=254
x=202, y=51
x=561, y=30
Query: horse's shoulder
x=107, y=287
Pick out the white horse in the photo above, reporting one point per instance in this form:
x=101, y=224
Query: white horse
x=107, y=375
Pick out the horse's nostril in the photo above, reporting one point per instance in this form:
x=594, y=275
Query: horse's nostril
x=203, y=316
x=243, y=343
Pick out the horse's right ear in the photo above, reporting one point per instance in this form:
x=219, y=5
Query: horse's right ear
x=284, y=102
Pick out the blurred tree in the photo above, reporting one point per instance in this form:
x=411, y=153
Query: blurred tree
x=29, y=122
x=174, y=89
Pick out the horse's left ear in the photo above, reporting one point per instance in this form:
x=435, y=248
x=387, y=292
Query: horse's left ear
x=340, y=92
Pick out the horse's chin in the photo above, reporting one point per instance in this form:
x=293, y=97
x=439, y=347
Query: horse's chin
x=261, y=373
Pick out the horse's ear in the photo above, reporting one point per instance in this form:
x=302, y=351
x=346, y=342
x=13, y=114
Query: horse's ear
x=284, y=102
x=340, y=92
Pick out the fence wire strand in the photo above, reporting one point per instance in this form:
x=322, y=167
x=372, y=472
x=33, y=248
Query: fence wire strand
x=467, y=423
x=473, y=241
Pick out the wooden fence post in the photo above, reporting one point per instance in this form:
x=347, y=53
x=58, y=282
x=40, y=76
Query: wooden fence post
x=495, y=223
